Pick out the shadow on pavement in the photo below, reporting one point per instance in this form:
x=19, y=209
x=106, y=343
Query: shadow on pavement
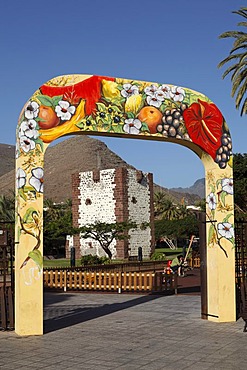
x=68, y=315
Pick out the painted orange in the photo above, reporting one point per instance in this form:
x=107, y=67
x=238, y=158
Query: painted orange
x=151, y=116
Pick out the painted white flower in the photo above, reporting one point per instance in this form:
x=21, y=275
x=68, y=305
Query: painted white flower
x=226, y=230
x=177, y=93
x=150, y=90
x=26, y=144
x=155, y=100
x=64, y=110
x=20, y=178
x=129, y=90
x=29, y=129
x=36, y=180
x=31, y=110
x=211, y=201
x=17, y=150
x=227, y=185
x=132, y=126
x=166, y=90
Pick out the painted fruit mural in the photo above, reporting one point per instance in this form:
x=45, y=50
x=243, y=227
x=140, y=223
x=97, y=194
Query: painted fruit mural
x=115, y=106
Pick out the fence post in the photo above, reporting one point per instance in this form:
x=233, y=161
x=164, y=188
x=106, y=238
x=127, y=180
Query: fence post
x=65, y=281
x=120, y=282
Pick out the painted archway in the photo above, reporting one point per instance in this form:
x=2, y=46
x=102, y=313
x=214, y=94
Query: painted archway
x=86, y=104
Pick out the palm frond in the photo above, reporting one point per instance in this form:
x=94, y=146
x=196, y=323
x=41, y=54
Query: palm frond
x=234, y=34
x=237, y=81
x=243, y=46
x=244, y=108
x=242, y=24
x=240, y=40
x=238, y=70
x=242, y=11
x=229, y=58
x=241, y=89
x=229, y=70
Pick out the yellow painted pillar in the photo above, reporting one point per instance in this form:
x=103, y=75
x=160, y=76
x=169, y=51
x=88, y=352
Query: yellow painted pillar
x=221, y=295
x=29, y=244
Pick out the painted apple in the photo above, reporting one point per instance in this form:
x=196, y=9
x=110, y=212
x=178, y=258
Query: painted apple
x=48, y=117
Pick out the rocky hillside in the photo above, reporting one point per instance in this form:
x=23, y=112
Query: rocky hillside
x=197, y=188
x=7, y=158
x=76, y=154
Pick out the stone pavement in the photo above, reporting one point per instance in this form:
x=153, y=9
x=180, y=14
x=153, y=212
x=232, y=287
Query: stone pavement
x=126, y=331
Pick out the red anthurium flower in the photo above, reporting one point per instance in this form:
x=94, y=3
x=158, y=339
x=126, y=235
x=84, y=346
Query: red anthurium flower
x=204, y=123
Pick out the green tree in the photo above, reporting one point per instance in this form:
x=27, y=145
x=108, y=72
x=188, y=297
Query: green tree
x=57, y=224
x=238, y=58
x=180, y=228
x=171, y=210
x=160, y=201
x=183, y=211
x=105, y=233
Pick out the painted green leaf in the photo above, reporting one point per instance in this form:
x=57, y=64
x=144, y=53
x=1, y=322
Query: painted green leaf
x=38, y=119
x=212, y=189
x=36, y=256
x=101, y=107
x=28, y=217
x=211, y=233
x=115, y=108
x=40, y=142
x=130, y=115
x=45, y=100
x=218, y=182
x=118, y=129
x=144, y=127
x=56, y=99
x=80, y=125
x=22, y=194
x=223, y=197
x=226, y=219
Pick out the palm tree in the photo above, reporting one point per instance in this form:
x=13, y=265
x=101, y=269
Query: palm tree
x=238, y=56
x=171, y=211
x=183, y=211
x=160, y=200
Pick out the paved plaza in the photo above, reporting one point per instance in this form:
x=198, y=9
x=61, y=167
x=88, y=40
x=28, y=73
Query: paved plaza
x=126, y=331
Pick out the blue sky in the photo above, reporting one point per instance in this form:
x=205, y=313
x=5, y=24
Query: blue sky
x=166, y=41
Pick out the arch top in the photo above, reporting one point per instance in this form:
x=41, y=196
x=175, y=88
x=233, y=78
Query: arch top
x=110, y=106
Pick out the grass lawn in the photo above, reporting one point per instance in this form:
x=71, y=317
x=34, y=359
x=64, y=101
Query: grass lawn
x=61, y=262
x=170, y=253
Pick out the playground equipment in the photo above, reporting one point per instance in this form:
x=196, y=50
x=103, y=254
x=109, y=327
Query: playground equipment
x=170, y=243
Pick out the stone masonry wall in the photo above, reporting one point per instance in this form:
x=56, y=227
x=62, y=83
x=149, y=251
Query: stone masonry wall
x=112, y=195
x=139, y=212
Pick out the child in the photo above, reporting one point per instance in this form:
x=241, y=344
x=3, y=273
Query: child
x=176, y=265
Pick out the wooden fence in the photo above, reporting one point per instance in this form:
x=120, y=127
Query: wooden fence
x=110, y=281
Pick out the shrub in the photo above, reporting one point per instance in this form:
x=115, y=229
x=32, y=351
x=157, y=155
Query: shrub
x=158, y=256
x=90, y=259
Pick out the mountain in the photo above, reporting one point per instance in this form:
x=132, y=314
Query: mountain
x=76, y=154
x=197, y=188
x=7, y=158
